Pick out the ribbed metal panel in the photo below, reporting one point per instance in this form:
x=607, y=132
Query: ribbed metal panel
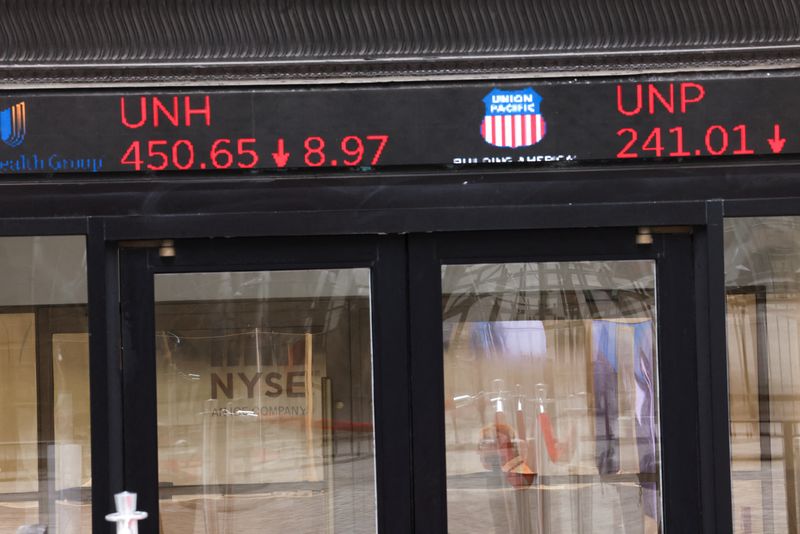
x=128, y=34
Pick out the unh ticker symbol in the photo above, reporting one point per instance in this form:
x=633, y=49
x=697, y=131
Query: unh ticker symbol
x=13, y=124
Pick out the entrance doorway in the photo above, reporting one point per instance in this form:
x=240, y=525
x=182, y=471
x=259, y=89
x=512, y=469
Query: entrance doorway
x=527, y=382
x=562, y=397
x=263, y=389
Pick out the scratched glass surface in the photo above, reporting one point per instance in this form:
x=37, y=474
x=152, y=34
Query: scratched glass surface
x=264, y=388
x=551, y=398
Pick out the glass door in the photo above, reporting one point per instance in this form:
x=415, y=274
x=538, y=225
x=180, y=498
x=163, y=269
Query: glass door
x=557, y=382
x=262, y=387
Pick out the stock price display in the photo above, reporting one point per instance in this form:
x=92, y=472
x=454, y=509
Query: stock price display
x=675, y=102
x=364, y=128
x=222, y=153
x=160, y=154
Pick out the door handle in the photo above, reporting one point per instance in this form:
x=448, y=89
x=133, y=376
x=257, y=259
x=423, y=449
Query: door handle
x=126, y=517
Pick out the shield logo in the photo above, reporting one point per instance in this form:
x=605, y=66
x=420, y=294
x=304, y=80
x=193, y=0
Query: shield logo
x=12, y=125
x=513, y=118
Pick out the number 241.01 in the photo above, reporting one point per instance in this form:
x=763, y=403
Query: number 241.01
x=717, y=140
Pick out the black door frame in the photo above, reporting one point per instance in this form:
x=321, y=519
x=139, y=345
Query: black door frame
x=384, y=256
x=673, y=198
x=419, y=487
x=104, y=233
x=684, y=495
x=109, y=209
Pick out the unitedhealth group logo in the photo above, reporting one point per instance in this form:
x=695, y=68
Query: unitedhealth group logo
x=12, y=125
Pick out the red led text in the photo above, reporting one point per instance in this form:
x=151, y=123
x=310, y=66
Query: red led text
x=246, y=153
x=649, y=98
x=159, y=155
x=165, y=111
x=716, y=140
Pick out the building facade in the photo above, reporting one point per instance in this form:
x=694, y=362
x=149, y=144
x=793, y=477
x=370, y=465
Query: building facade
x=400, y=266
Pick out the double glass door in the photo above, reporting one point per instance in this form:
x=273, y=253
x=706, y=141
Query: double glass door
x=514, y=382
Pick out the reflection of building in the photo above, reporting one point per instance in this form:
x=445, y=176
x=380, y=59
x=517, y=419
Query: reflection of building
x=535, y=385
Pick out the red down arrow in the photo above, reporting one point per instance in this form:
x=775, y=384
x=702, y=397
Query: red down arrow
x=777, y=142
x=281, y=157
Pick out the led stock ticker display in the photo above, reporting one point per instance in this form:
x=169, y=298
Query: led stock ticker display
x=677, y=100
x=363, y=128
x=160, y=154
x=224, y=152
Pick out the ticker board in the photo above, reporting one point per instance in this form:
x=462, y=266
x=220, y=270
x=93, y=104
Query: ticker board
x=512, y=122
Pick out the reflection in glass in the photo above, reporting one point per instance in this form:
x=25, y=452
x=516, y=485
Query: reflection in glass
x=551, y=398
x=762, y=271
x=265, y=402
x=45, y=455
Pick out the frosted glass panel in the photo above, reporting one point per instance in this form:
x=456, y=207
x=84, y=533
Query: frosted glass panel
x=45, y=449
x=264, y=383
x=551, y=398
x=762, y=272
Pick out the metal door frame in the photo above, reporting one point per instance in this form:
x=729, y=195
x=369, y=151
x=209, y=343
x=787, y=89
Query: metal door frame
x=687, y=462
x=385, y=257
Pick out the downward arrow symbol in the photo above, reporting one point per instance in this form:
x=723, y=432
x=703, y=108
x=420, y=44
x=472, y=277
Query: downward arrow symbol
x=777, y=142
x=281, y=157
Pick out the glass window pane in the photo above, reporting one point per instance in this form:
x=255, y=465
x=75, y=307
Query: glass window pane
x=264, y=383
x=45, y=453
x=762, y=272
x=551, y=397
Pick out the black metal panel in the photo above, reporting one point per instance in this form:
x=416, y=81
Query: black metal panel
x=105, y=375
x=681, y=409
x=139, y=421
x=712, y=372
x=427, y=385
x=414, y=201
x=395, y=203
x=43, y=226
x=132, y=39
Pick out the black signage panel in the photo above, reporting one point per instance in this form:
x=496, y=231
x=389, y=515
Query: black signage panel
x=511, y=122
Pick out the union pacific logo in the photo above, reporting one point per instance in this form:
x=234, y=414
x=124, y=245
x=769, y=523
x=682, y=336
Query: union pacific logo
x=513, y=118
x=12, y=125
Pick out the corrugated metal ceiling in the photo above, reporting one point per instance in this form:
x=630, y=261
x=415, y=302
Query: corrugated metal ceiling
x=185, y=40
